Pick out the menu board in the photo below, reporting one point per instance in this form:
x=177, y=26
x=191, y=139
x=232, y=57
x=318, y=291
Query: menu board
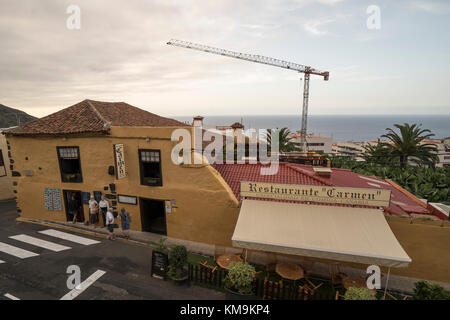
x=98, y=196
x=160, y=263
x=52, y=199
x=48, y=199
x=119, y=156
x=57, y=200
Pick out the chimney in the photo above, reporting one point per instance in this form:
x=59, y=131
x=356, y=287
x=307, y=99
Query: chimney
x=198, y=121
x=237, y=125
x=322, y=171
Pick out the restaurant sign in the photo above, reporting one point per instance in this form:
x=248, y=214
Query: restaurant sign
x=324, y=194
x=120, y=161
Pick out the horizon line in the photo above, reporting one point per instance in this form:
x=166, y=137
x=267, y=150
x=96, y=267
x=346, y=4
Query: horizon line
x=294, y=114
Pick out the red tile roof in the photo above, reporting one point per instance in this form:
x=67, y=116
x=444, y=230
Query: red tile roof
x=90, y=116
x=289, y=173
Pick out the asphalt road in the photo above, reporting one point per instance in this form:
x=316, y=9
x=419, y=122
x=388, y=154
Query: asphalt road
x=44, y=277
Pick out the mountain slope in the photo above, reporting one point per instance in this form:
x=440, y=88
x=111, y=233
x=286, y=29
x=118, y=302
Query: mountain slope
x=9, y=117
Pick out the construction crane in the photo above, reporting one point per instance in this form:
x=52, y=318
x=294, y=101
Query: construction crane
x=307, y=70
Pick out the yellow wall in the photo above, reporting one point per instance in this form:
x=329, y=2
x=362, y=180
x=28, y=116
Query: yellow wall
x=6, y=189
x=206, y=208
x=427, y=244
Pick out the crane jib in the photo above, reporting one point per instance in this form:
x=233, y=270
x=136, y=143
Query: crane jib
x=269, y=61
x=250, y=57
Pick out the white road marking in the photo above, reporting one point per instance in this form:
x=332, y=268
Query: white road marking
x=83, y=286
x=1, y=261
x=40, y=243
x=17, y=252
x=10, y=296
x=69, y=237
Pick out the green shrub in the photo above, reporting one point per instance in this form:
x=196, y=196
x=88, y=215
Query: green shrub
x=353, y=293
x=240, y=277
x=428, y=291
x=177, y=261
x=160, y=246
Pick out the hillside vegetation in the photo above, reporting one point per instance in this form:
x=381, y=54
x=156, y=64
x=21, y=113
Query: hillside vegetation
x=432, y=184
x=10, y=117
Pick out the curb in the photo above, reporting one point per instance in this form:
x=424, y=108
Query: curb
x=95, y=233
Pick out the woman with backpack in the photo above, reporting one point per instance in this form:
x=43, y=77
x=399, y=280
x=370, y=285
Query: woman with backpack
x=125, y=219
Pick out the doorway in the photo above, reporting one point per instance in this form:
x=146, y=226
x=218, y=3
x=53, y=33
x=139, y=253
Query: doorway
x=153, y=216
x=67, y=195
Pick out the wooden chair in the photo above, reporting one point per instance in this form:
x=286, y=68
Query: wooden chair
x=307, y=266
x=311, y=287
x=336, y=275
x=206, y=269
x=302, y=290
x=338, y=296
x=245, y=254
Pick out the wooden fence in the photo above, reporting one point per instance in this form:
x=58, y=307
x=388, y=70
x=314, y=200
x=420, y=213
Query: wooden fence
x=262, y=288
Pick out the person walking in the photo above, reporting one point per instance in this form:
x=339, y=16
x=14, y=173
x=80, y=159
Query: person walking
x=104, y=207
x=93, y=210
x=110, y=224
x=73, y=208
x=125, y=219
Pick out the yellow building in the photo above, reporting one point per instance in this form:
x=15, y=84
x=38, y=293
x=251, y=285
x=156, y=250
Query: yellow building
x=6, y=189
x=76, y=150
x=124, y=153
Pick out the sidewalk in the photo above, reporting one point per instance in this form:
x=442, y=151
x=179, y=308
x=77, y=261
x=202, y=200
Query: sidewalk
x=396, y=283
x=136, y=237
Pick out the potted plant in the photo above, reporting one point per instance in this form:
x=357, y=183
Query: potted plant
x=177, y=261
x=239, y=281
x=160, y=246
x=426, y=291
x=353, y=293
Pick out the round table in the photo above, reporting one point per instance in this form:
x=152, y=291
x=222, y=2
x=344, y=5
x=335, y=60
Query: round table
x=354, y=282
x=225, y=260
x=289, y=271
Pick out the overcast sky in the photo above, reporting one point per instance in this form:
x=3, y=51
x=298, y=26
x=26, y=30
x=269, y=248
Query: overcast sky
x=120, y=54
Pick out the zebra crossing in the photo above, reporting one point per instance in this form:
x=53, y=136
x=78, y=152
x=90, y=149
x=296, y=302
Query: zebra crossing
x=17, y=252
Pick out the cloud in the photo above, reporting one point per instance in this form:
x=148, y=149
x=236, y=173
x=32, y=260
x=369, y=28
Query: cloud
x=120, y=52
x=432, y=7
x=330, y=2
x=313, y=26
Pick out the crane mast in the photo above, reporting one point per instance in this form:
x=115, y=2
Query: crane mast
x=268, y=61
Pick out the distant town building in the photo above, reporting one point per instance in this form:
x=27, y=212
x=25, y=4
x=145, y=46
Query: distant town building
x=348, y=149
x=443, y=151
x=316, y=144
x=234, y=126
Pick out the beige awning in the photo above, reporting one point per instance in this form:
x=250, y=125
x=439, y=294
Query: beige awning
x=330, y=232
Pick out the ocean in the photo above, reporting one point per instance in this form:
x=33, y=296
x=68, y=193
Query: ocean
x=340, y=127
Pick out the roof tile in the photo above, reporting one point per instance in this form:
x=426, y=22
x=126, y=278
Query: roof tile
x=89, y=116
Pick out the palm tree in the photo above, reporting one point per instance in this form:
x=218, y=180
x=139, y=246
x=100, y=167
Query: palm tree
x=285, y=143
x=378, y=154
x=408, y=146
